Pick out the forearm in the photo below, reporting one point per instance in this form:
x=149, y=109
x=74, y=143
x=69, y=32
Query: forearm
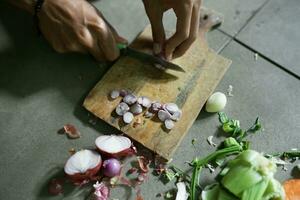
x=27, y=5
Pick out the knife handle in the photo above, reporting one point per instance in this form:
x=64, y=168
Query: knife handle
x=122, y=48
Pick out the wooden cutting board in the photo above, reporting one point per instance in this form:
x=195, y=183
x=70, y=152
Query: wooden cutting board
x=189, y=90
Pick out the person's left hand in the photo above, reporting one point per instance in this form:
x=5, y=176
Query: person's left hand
x=188, y=16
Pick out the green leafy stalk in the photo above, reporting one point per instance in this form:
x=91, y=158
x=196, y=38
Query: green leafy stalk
x=198, y=165
x=291, y=154
x=233, y=127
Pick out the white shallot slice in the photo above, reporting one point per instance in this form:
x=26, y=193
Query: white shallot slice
x=136, y=109
x=130, y=99
x=128, y=117
x=169, y=124
x=163, y=115
x=148, y=114
x=123, y=92
x=171, y=107
x=122, y=108
x=176, y=115
x=144, y=101
x=181, y=191
x=114, y=94
x=156, y=106
x=210, y=141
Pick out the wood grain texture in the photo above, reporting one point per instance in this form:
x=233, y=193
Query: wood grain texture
x=189, y=90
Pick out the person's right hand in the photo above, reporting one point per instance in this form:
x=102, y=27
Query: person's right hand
x=77, y=26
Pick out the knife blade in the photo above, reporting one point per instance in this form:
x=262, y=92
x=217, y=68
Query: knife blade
x=125, y=50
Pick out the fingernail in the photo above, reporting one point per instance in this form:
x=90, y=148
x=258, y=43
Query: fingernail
x=156, y=48
x=169, y=57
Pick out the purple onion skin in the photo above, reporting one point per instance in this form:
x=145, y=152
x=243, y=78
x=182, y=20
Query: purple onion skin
x=111, y=167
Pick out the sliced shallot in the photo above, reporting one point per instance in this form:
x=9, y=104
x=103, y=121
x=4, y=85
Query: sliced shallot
x=114, y=94
x=128, y=117
x=163, y=115
x=156, y=106
x=130, y=99
x=123, y=93
x=144, y=101
x=122, y=108
x=136, y=109
x=171, y=107
x=176, y=115
x=169, y=124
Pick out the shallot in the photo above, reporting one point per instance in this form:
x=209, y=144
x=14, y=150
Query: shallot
x=156, y=106
x=122, y=108
x=176, y=115
x=123, y=93
x=114, y=94
x=163, y=115
x=130, y=99
x=113, y=145
x=144, y=101
x=136, y=109
x=83, y=166
x=111, y=167
x=171, y=107
x=169, y=124
x=128, y=117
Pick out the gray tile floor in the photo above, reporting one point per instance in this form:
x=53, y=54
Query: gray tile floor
x=40, y=90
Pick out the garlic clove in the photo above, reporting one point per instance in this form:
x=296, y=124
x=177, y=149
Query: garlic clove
x=169, y=124
x=114, y=94
x=130, y=99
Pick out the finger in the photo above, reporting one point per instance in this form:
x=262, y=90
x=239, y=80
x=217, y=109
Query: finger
x=182, y=29
x=194, y=29
x=155, y=12
x=89, y=43
x=105, y=39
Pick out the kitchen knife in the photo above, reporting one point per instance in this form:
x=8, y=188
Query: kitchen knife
x=163, y=64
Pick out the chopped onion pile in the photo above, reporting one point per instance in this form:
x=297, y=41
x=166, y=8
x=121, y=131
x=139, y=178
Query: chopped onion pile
x=250, y=176
x=132, y=105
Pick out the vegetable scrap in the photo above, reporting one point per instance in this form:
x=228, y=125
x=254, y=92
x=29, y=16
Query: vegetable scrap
x=233, y=128
x=210, y=141
x=101, y=191
x=181, y=191
x=292, y=189
x=230, y=90
x=71, y=131
x=132, y=106
x=104, y=167
x=216, y=102
x=55, y=187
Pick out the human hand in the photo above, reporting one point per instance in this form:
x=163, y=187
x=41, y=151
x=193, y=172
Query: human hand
x=77, y=26
x=187, y=27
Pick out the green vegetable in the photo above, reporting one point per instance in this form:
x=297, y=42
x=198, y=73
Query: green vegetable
x=233, y=128
x=250, y=176
x=198, y=164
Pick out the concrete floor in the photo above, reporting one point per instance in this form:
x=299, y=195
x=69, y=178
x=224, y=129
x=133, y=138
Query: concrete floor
x=41, y=90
